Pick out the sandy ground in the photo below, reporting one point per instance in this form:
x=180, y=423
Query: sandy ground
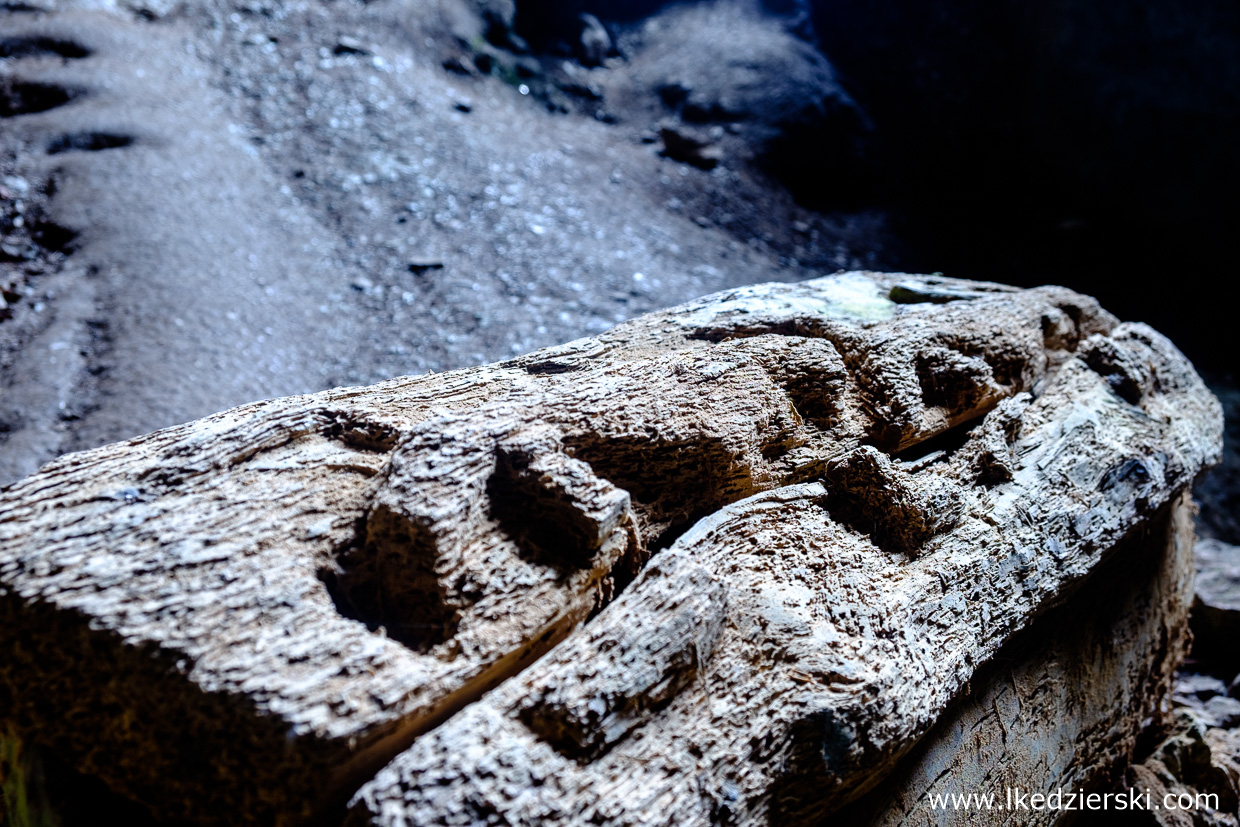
x=225, y=201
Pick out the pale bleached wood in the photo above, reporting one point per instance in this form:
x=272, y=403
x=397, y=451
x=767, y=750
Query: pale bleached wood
x=856, y=610
x=168, y=602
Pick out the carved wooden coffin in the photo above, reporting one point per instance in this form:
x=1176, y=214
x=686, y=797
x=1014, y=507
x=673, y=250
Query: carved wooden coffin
x=726, y=562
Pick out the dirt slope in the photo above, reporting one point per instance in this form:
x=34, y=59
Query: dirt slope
x=249, y=199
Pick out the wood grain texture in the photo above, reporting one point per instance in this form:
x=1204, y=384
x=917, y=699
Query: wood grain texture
x=1062, y=705
x=243, y=618
x=856, y=611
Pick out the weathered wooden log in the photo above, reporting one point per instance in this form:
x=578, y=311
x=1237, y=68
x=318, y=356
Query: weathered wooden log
x=864, y=484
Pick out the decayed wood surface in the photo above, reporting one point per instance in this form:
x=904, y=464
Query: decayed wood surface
x=1061, y=706
x=852, y=612
x=244, y=617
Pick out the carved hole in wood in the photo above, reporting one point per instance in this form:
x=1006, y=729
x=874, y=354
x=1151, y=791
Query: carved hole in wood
x=824, y=747
x=592, y=695
x=1059, y=330
x=409, y=602
x=587, y=733
x=805, y=328
x=876, y=396
x=673, y=484
x=1075, y=313
x=549, y=368
x=809, y=370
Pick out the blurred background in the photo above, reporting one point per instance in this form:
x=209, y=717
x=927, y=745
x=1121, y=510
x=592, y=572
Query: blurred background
x=207, y=202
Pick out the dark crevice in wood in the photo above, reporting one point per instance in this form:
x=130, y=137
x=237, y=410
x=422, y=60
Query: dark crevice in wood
x=804, y=328
x=549, y=368
x=874, y=394
x=357, y=432
x=945, y=443
x=1113, y=362
x=584, y=740
x=672, y=533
